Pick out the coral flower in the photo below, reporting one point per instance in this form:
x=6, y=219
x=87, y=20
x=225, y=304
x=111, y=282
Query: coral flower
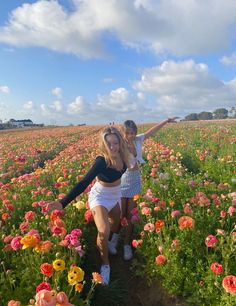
x=43, y=246
x=217, y=268
x=46, y=269
x=97, y=278
x=160, y=259
x=45, y=298
x=185, y=222
x=229, y=284
x=59, y=265
x=13, y=303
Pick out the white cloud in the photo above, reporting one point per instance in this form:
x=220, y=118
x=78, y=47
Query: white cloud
x=57, y=92
x=177, y=27
x=229, y=60
x=4, y=89
x=57, y=106
x=183, y=87
x=29, y=105
x=79, y=106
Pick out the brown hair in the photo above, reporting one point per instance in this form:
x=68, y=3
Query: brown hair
x=130, y=124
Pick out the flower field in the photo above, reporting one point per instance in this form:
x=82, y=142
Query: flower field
x=185, y=222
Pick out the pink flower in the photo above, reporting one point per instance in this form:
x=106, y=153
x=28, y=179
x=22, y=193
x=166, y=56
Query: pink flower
x=229, y=284
x=222, y=214
x=211, y=241
x=146, y=211
x=76, y=232
x=149, y=227
x=15, y=243
x=124, y=222
x=175, y=213
x=62, y=299
x=136, y=243
x=231, y=210
x=217, y=268
x=45, y=298
x=29, y=215
x=160, y=259
x=188, y=209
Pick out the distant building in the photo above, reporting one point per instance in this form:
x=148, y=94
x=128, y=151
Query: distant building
x=21, y=123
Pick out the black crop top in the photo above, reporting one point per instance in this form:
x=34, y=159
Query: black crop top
x=99, y=169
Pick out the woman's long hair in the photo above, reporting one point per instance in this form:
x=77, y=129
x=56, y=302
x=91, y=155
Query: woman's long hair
x=125, y=155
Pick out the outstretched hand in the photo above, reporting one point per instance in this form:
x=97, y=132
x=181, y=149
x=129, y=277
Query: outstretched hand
x=52, y=205
x=172, y=120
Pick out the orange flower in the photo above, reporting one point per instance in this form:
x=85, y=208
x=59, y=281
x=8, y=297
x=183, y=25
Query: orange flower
x=5, y=216
x=46, y=269
x=185, y=222
x=136, y=197
x=159, y=224
x=79, y=287
x=29, y=241
x=43, y=246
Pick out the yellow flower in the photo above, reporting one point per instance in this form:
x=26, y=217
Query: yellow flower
x=136, y=197
x=75, y=275
x=79, y=205
x=29, y=241
x=59, y=265
x=60, y=179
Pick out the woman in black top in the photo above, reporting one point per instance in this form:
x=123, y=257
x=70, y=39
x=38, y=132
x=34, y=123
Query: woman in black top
x=105, y=195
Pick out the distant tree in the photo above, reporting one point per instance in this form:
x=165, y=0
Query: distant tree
x=232, y=112
x=191, y=117
x=205, y=116
x=220, y=113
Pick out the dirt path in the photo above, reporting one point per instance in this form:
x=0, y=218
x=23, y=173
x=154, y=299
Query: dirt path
x=126, y=289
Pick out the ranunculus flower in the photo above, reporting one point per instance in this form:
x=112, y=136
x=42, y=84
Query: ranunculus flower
x=149, y=227
x=217, y=268
x=160, y=259
x=211, y=241
x=15, y=243
x=29, y=241
x=43, y=246
x=45, y=298
x=46, y=269
x=79, y=287
x=62, y=299
x=88, y=216
x=59, y=265
x=185, y=222
x=75, y=275
x=42, y=286
x=159, y=224
x=29, y=215
x=13, y=303
x=97, y=278
x=229, y=284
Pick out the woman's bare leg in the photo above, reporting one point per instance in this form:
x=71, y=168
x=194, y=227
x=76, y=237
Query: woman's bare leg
x=100, y=215
x=129, y=229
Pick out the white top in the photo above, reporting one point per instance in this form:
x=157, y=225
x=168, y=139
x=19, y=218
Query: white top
x=139, y=139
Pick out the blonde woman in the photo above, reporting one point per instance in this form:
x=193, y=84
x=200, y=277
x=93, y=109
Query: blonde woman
x=105, y=195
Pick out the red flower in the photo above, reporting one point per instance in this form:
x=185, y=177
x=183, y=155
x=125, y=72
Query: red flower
x=42, y=286
x=217, y=268
x=229, y=284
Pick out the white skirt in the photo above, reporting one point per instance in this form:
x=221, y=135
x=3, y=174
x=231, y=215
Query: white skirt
x=107, y=197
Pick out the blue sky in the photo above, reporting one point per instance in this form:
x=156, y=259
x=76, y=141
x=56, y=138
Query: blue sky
x=95, y=62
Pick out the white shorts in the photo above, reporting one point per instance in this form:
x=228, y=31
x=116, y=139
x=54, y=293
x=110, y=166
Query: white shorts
x=107, y=197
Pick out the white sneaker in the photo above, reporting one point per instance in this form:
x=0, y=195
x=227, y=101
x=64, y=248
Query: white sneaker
x=105, y=273
x=128, y=254
x=114, y=239
x=111, y=248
